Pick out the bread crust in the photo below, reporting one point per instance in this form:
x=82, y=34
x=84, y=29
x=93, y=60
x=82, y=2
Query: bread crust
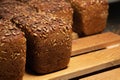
x=59, y=8
x=12, y=52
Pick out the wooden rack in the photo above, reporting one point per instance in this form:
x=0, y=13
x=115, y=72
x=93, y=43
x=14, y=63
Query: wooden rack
x=89, y=54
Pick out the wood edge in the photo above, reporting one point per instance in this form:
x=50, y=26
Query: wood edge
x=97, y=46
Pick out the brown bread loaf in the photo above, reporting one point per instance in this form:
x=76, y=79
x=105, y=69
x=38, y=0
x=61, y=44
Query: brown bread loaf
x=12, y=52
x=46, y=36
x=12, y=44
x=90, y=16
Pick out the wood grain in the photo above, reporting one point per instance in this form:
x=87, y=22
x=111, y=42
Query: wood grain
x=94, y=42
x=108, y=75
x=83, y=64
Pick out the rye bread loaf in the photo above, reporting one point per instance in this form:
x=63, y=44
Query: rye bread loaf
x=12, y=44
x=12, y=51
x=90, y=16
x=48, y=42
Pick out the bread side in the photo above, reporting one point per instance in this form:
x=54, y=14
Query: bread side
x=12, y=43
x=90, y=16
x=12, y=52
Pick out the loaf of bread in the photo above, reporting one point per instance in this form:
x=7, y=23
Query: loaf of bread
x=50, y=31
x=12, y=45
x=46, y=36
x=90, y=16
x=12, y=52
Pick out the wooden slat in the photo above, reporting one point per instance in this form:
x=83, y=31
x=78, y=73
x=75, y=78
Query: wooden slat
x=83, y=64
x=95, y=42
x=108, y=75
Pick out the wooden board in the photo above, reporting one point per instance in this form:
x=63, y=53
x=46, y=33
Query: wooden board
x=108, y=75
x=95, y=42
x=86, y=63
x=83, y=64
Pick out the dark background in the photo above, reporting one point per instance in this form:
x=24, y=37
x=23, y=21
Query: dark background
x=113, y=23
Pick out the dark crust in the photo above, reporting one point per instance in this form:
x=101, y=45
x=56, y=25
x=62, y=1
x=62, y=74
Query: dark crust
x=10, y=9
x=59, y=8
x=46, y=33
x=90, y=16
x=12, y=43
x=12, y=52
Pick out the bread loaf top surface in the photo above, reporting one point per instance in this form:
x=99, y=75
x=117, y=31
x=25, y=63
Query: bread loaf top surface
x=59, y=8
x=25, y=15
x=7, y=29
x=41, y=24
x=8, y=10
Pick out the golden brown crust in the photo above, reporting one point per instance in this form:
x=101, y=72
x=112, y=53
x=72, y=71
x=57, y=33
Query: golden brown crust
x=90, y=16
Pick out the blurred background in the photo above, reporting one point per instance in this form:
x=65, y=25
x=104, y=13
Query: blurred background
x=113, y=23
